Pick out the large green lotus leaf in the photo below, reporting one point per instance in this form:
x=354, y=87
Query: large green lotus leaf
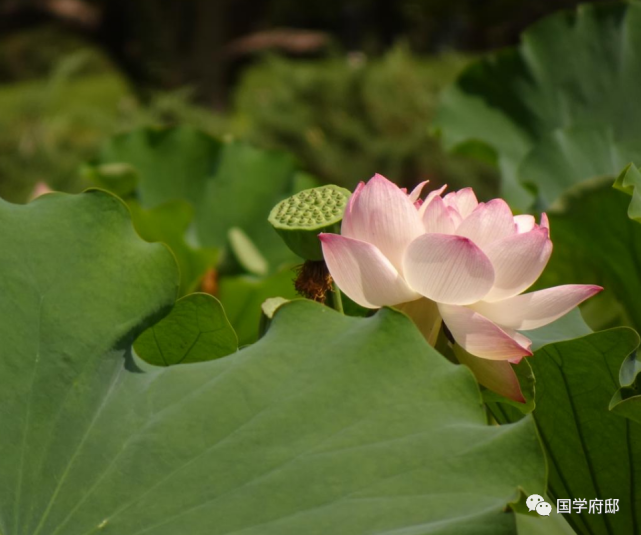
x=196, y=330
x=78, y=285
x=592, y=452
x=329, y=424
x=627, y=401
x=596, y=243
x=570, y=156
x=229, y=183
x=570, y=87
x=542, y=525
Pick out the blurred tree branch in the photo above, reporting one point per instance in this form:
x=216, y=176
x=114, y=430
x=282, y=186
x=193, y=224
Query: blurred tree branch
x=16, y=14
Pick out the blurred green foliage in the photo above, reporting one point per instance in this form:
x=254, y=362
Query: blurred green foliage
x=344, y=117
x=349, y=117
x=49, y=126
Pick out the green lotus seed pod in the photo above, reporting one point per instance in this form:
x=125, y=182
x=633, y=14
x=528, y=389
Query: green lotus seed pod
x=300, y=218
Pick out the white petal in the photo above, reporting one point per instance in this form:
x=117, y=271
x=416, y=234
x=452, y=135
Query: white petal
x=381, y=214
x=479, y=336
x=363, y=273
x=518, y=261
x=524, y=223
x=440, y=219
x=463, y=200
x=533, y=310
x=448, y=269
x=487, y=223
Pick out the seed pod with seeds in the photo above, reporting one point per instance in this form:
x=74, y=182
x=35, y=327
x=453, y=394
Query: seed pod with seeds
x=300, y=218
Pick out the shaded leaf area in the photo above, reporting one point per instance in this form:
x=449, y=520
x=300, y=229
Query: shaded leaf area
x=119, y=178
x=169, y=223
x=196, y=330
x=627, y=401
x=596, y=243
x=329, y=424
x=629, y=181
x=243, y=295
x=592, y=452
x=559, y=108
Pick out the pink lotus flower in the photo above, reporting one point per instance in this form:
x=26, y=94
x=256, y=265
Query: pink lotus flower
x=471, y=261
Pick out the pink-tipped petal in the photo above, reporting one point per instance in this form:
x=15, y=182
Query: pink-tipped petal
x=364, y=273
x=435, y=193
x=384, y=216
x=480, y=337
x=545, y=222
x=463, y=200
x=520, y=339
x=416, y=192
x=536, y=309
x=448, y=269
x=440, y=219
x=524, y=223
x=488, y=223
x=518, y=262
x=346, y=224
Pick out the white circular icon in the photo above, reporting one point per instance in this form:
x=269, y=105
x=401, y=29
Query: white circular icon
x=532, y=501
x=544, y=508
